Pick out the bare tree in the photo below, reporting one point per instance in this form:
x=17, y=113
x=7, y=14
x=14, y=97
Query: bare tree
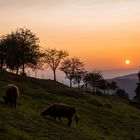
x=71, y=67
x=53, y=58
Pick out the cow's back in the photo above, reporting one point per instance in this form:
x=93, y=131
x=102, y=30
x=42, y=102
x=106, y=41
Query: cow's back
x=64, y=110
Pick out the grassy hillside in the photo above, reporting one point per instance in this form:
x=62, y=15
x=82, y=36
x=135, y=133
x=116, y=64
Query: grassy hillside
x=100, y=118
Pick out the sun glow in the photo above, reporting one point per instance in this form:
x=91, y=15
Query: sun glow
x=127, y=62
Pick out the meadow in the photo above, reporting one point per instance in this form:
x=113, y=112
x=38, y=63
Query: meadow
x=100, y=117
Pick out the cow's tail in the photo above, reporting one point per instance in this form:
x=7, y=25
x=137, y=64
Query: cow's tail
x=76, y=118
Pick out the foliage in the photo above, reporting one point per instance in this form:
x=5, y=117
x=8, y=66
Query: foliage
x=113, y=86
x=73, y=68
x=101, y=85
x=94, y=77
x=78, y=77
x=138, y=88
x=22, y=49
x=86, y=79
x=2, y=52
x=139, y=76
x=53, y=58
x=122, y=93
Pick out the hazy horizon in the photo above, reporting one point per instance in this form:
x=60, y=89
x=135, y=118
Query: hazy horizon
x=107, y=74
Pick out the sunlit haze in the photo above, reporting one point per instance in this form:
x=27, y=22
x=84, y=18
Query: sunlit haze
x=102, y=33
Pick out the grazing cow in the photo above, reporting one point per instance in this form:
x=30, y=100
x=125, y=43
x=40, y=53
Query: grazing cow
x=11, y=94
x=59, y=110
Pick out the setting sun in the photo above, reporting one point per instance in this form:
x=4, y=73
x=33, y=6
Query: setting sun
x=127, y=62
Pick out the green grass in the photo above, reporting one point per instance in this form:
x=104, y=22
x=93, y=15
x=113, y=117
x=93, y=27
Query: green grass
x=100, y=117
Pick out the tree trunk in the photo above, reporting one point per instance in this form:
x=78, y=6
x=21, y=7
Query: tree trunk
x=114, y=91
x=104, y=91
x=54, y=74
x=93, y=87
x=79, y=85
x=86, y=86
x=71, y=83
x=108, y=91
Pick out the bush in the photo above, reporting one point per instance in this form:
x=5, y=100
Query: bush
x=122, y=94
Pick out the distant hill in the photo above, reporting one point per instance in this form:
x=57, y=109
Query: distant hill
x=129, y=76
x=127, y=82
x=100, y=117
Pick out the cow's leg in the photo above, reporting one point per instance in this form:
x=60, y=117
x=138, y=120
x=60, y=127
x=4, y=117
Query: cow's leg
x=60, y=119
x=11, y=103
x=69, y=121
x=15, y=103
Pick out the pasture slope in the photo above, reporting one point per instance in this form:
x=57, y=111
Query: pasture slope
x=100, y=118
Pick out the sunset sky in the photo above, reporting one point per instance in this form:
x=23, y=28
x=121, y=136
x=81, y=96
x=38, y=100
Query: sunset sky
x=102, y=33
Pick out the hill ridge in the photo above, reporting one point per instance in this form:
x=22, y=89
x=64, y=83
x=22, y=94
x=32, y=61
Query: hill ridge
x=100, y=117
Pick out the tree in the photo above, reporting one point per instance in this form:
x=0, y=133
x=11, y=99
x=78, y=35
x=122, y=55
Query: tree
x=78, y=77
x=2, y=52
x=102, y=85
x=71, y=67
x=138, y=76
x=113, y=86
x=53, y=58
x=138, y=88
x=86, y=80
x=94, y=77
x=13, y=60
x=22, y=50
x=122, y=93
x=108, y=87
x=29, y=47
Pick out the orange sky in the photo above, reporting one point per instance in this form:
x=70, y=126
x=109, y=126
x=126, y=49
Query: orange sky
x=102, y=33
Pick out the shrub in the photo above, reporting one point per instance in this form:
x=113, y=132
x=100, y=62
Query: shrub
x=122, y=94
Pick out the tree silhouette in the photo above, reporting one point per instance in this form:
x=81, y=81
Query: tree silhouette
x=22, y=50
x=102, y=85
x=94, y=77
x=53, y=58
x=113, y=86
x=138, y=88
x=2, y=52
x=108, y=87
x=122, y=93
x=78, y=77
x=86, y=80
x=71, y=67
x=138, y=76
x=13, y=59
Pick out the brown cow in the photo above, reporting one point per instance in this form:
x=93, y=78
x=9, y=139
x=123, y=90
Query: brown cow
x=11, y=94
x=59, y=110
